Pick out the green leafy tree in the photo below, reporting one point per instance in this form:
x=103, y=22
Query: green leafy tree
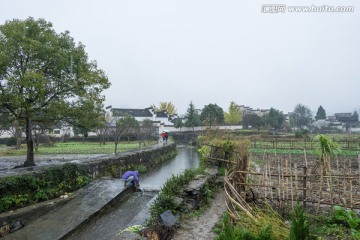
x=212, y=115
x=178, y=123
x=355, y=116
x=234, y=115
x=275, y=119
x=301, y=116
x=169, y=107
x=320, y=114
x=43, y=75
x=252, y=120
x=89, y=122
x=192, y=118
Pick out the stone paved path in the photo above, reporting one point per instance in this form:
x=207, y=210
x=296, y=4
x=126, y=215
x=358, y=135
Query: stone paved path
x=201, y=228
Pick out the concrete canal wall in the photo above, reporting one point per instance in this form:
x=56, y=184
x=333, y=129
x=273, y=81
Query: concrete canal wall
x=116, y=165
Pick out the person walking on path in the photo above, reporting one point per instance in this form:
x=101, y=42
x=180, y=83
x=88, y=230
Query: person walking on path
x=131, y=177
x=163, y=135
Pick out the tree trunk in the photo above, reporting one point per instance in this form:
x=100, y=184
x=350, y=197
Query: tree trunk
x=18, y=136
x=116, y=145
x=36, y=138
x=103, y=139
x=30, y=145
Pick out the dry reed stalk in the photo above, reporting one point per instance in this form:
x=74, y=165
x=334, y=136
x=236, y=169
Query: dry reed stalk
x=236, y=194
x=331, y=185
x=247, y=164
x=291, y=183
x=359, y=169
x=328, y=179
x=221, y=160
x=270, y=181
x=306, y=178
x=232, y=210
x=351, y=194
x=304, y=186
x=241, y=202
x=279, y=178
x=287, y=179
x=282, y=182
x=344, y=185
x=352, y=176
x=320, y=186
x=338, y=180
x=351, y=189
x=296, y=181
x=263, y=186
x=266, y=177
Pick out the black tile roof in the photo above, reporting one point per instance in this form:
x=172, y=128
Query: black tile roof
x=161, y=114
x=120, y=112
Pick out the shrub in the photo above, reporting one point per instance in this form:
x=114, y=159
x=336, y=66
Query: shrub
x=18, y=191
x=299, y=229
x=164, y=201
x=11, y=141
x=301, y=133
x=141, y=168
x=348, y=218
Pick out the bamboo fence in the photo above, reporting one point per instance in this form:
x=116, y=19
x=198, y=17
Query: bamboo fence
x=283, y=181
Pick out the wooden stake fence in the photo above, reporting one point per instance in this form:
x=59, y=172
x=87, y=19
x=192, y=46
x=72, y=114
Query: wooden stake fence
x=284, y=180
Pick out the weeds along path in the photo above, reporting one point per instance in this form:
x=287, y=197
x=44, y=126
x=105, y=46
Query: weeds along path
x=201, y=228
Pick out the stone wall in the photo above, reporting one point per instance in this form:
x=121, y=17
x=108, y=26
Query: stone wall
x=193, y=195
x=107, y=165
x=115, y=166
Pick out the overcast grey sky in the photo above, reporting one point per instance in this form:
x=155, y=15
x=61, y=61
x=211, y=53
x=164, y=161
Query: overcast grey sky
x=213, y=51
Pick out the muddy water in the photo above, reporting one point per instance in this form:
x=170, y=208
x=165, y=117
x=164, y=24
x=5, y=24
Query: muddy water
x=134, y=210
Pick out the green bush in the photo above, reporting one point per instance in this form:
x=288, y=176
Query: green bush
x=18, y=185
x=348, y=218
x=299, y=229
x=164, y=201
x=141, y=168
x=18, y=191
x=12, y=201
x=11, y=141
x=302, y=133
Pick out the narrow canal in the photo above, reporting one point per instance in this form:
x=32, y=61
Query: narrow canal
x=134, y=210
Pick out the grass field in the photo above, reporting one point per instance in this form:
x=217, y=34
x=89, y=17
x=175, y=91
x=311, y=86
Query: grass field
x=73, y=148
